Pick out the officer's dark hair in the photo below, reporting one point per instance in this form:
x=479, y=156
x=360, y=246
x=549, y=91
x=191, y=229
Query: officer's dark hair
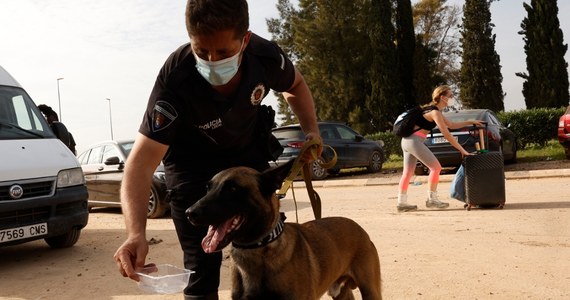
x=205, y=17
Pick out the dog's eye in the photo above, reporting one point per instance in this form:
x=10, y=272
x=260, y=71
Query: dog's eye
x=231, y=187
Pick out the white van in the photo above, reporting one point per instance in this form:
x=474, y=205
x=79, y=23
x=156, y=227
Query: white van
x=42, y=188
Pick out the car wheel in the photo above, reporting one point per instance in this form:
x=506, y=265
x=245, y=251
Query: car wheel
x=376, y=161
x=513, y=159
x=156, y=207
x=567, y=151
x=65, y=240
x=507, y=161
x=318, y=172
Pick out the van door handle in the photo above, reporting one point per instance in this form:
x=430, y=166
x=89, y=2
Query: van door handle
x=100, y=168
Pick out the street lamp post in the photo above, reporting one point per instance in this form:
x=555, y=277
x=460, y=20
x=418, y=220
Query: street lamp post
x=110, y=118
x=59, y=99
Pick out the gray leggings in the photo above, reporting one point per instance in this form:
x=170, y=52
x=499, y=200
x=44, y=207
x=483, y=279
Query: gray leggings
x=413, y=148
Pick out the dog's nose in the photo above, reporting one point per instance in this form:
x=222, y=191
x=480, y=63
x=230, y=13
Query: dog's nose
x=191, y=215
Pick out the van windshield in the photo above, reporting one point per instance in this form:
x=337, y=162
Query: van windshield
x=19, y=116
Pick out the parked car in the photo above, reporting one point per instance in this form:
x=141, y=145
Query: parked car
x=500, y=138
x=352, y=149
x=103, y=166
x=564, y=131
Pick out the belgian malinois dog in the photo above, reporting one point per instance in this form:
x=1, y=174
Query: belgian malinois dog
x=276, y=260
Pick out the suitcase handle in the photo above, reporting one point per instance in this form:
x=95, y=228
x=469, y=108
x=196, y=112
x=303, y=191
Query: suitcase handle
x=483, y=137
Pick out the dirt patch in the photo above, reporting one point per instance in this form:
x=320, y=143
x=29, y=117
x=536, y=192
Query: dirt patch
x=521, y=251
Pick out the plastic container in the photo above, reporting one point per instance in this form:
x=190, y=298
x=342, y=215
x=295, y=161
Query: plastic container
x=163, y=279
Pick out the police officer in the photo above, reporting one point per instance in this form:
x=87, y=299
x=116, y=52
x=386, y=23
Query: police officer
x=203, y=116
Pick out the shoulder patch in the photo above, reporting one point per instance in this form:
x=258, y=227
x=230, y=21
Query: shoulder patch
x=163, y=115
x=257, y=94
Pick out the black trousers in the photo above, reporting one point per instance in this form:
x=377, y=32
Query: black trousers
x=206, y=279
x=204, y=282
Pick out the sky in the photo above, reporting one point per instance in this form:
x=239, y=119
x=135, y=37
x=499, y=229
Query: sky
x=110, y=49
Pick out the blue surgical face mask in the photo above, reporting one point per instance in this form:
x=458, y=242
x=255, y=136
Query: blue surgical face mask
x=218, y=72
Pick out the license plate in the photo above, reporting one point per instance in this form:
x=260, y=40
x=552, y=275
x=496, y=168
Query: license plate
x=441, y=140
x=18, y=233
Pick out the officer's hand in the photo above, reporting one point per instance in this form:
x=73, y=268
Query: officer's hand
x=130, y=257
x=308, y=156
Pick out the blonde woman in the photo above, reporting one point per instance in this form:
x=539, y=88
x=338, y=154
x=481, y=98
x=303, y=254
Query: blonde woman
x=413, y=148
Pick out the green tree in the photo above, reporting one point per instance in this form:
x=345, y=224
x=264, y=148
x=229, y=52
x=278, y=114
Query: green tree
x=437, y=52
x=480, y=68
x=385, y=96
x=282, y=31
x=345, y=50
x=405, y=45
x=546, y=84
x=335, y=58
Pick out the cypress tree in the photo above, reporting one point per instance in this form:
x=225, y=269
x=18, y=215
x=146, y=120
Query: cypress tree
x=405, y=41
x=385, y=94
x=546, y=84
x=480, y=68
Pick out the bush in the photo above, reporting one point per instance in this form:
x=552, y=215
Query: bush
x=533, y=126
x=391, y=142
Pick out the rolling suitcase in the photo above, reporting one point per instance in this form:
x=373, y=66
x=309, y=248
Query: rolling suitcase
x=484, y=178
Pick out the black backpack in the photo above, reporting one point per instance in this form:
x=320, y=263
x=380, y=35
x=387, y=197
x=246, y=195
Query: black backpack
x=405, y=122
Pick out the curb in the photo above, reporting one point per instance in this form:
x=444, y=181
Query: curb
x=513, y=175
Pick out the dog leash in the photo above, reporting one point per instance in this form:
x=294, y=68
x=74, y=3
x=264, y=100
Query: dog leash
x=300, y=166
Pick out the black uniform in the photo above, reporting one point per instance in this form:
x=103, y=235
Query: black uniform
x=208, y=132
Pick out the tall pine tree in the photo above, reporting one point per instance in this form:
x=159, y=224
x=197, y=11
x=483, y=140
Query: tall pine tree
x=480, y=68
x=546, y=84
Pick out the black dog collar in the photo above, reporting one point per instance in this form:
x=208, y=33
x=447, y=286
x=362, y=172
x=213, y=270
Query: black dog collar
x=273, y=235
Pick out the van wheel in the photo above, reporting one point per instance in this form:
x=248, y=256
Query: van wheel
x=156, y=207
x=65, y=240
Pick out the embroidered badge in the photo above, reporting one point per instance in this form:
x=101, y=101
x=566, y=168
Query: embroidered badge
x=257, y=94
x=163, y=115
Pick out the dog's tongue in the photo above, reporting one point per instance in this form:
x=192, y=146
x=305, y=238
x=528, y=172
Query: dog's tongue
x=215, y=235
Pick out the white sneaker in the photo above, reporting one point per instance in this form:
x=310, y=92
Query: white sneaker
x=433, y=201
x=402, y=207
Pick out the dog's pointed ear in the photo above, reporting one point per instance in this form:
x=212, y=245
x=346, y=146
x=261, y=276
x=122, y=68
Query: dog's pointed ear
x=272, y=178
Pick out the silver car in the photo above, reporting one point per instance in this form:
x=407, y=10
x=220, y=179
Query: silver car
x=103, y=166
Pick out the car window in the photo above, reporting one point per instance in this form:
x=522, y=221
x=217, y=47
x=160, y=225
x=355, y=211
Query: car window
x=82, y=158
x=95, y=156
x=127, y=147
x=110, y=151
x=345, y=133
x=493, y=120
x=327, y=132
x=289, y=134
x=460, y=117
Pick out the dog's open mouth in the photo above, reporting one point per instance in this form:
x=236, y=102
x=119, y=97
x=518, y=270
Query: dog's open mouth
x=219, y=236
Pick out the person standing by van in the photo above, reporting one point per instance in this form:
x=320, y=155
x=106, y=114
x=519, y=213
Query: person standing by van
x=57, y=127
